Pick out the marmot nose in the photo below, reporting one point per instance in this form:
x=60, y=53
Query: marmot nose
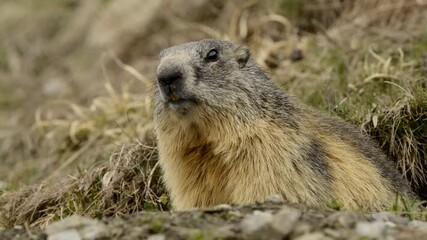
x=169, y=76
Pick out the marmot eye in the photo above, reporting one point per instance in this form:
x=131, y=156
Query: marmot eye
x=212, y=55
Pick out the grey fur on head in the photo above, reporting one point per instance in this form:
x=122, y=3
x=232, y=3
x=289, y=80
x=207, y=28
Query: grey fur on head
x=234, y=72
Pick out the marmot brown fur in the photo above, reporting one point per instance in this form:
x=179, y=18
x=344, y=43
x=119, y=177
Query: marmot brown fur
x=228, y=135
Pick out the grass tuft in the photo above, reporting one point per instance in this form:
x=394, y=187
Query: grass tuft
x=410, y=208
x=129, y=182
x=402, y=131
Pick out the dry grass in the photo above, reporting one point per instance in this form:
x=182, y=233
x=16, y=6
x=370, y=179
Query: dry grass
x=364, y=61
x=402, y=130
x=129, y=182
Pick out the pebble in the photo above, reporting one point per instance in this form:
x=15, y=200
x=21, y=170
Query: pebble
x=218, y=208
x=275, y=199
x=332, y=233
x=227, y=231
x=3, y=185
x=256, y=221
x=65, y=235
x=285, y=220
x=265, y=225
x=342, y=219
x=371, y=229
x=389, y=217
x=302, y=228
x=222, y=207
x=418, y=224
x=84, y=228
x=312, y=236
x=18, y=227
x=54, y=87
x=157, y=237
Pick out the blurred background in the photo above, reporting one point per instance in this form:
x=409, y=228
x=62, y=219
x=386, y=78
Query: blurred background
x=76, y=76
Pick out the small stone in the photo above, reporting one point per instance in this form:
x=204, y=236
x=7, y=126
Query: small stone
x=157, y=237
x=71, y=222
x=371, y=230
x=65, y=235
x=94, y=232
x=418, y=224
x=236, y=214
x=54, y=87
x=222, y=207
x=301, y=229
x=256, y=221
x=342, y=219
x=285, y=220
x=332, y=233
x=264, y=225
x=312, y=236
x=227, y=231
x=389, y=217
x=218, y=208
x=3, y=185
x=86, y=228
x=275, y=199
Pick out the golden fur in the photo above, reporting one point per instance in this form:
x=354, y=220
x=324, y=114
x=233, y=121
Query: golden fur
x=208, y=168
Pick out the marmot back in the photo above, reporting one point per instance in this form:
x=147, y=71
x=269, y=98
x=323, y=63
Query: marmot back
x=227, y=134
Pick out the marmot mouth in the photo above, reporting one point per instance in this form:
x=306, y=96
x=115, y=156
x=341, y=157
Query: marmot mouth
x=177, y=100
x=181, y=103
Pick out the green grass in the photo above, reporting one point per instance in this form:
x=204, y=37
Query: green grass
x=410, y=208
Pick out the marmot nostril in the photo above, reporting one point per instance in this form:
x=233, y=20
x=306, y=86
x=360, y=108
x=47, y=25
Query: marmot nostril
x=169, y=76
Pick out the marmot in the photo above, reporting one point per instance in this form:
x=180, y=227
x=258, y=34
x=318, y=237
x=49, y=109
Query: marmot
x=228, y=135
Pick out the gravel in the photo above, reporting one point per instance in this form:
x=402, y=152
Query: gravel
x=270, y=220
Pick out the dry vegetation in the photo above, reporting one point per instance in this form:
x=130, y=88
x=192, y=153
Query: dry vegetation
x=75, y=109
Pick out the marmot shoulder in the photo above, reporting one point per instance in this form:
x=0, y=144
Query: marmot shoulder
x=227, y=134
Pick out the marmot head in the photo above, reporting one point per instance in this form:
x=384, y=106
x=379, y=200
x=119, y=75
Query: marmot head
x=212, y=77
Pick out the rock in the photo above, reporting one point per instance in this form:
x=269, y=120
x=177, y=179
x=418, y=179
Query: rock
x=332, y=233
x=65, y=235
x=302, y=228
x=256, y=221
x=222, y=207
x=275, y=199
x=371, y=229
x=411, y=234
x=54, y=87
x=263, y=225
x=313, y=236
x=285, y=220
x=218, y=208
x=236, y=214
x=18, y=227
x=342, y=219
x=227, y=231
x=84, y=228
x=418, y=224
x=3, y=185
x=389, y=217
x=157, y=237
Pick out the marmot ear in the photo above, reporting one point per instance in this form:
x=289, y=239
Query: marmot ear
x=242, y=56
